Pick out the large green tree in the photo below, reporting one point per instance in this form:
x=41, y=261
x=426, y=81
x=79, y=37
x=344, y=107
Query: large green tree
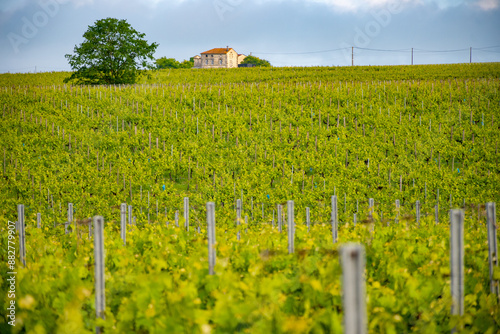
x=165, y=62
x=256, y=61
x=112, y=53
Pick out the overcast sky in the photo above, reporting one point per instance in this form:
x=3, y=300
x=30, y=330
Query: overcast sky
x=287, y=33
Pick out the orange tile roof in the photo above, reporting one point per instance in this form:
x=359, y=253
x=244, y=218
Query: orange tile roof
x=217, y=51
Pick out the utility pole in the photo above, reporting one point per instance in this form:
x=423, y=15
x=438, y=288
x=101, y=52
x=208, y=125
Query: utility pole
x=412, y=56
x=352, y=56
x=470, y=55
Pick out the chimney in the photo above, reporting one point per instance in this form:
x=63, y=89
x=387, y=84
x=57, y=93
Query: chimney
x=227, y=47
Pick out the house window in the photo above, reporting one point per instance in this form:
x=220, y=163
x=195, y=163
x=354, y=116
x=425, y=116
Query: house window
x=212, y=61
x=220, y=61
x=206, y=62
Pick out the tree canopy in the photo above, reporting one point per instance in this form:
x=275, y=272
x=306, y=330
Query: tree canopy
x=256, y=61
x=165, y=62
x=112, y=53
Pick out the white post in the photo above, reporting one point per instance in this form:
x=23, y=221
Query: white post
x=70, y=213
x=291, y=227
x=457, y=261
x=492, y=245
x=308, y=219
x=38, y=220
x=371, y=204
x=279, y=217
x=100, y=302
x=417, y=212
x=334, y=219
x=352, y=257
x=123, y=221
x=211, y=236
x=70, y=218
x=397, y=212
x=186, y=213
x=238, y=218
x=22, y=235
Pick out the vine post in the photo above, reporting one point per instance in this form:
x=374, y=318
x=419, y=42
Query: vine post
x=100, y=302
x=238, y=218
x=279, y=218
x=352, y=258
x=211, y=237
x=291, y=227
x=22, y=235
x=492, y=245
x=308, y=219
x=417, y=212
x=123, y=222
x=457, y=261
x=396, y=221
x=334, y=219
x=186, y=213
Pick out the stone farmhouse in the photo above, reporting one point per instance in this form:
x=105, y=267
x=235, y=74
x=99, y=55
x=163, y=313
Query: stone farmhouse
x=218, y=58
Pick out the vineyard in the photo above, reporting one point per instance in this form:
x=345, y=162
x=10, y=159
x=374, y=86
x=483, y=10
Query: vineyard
x=397, y=146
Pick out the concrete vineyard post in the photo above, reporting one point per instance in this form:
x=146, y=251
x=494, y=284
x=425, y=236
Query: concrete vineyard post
x=100, y=302
x=186, y=213
x=352, y=258
x=211, y=236
x=371, y=204
x=308, y=219
x=279, y=218
x=251, y=207
x=457, y=261
x=70, y=218
x=396, y=221
x=38, y=220
x=291, y=227
x=436, y=213
x=123, y=222
x=354, y=219
x=334, y=219
x=417, y=212
x=177, y=218
x=492, y=245
x=22, y=235
x=238, y=218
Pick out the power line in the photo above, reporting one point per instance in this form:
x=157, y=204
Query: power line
x=298, y=53
x=440, y=51
x=383, y=50
x=376, y=50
